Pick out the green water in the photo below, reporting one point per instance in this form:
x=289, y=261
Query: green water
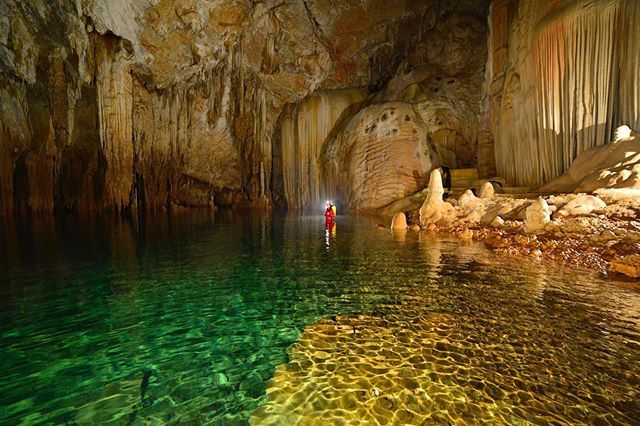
x=205, y=306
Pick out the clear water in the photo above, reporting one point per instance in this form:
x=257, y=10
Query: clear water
x=183, y=319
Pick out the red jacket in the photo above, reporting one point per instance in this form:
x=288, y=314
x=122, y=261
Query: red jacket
x=329, y=214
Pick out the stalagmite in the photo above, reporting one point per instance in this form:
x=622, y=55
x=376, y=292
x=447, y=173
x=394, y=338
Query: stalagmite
x=487, y=190
x=399, y=221
x=435, y=210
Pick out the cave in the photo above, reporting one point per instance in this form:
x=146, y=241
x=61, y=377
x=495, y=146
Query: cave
x=303, y=211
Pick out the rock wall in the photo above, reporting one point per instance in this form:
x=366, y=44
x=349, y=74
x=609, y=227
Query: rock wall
x=370, y=157
x=614, y=165
x=561, y=76
x=380, y=156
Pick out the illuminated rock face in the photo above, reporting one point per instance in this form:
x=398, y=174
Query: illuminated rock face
x=434, y=211
x=380, y=156
x=304, y=129
x=151, y=104
x=561, y=76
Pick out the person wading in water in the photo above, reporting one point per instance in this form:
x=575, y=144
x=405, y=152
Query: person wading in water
x=330, y=213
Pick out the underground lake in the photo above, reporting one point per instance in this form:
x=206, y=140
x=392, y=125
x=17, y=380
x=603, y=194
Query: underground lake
x=246, y=318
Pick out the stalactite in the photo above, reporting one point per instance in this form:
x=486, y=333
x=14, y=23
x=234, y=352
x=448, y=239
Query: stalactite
x=560, y=93
x=305, y=128
x=115, y=105
x=629, y=59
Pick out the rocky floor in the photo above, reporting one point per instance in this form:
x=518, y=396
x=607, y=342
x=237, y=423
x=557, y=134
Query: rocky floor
x=610, y=246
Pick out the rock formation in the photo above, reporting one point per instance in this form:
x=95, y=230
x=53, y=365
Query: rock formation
x=134, y=103
x=399, y=221
x=380, y=156
x=538, y=215
x=581, y=205
x=304, y=129
x=560, y=77
x=435, y=211
x=614, y=165
x=155, y=104
x=487, y=190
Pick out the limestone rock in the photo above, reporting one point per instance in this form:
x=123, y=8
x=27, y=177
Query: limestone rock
x=153, y=104
x=541, y=91
x=497, y=222
x=435, y=210
x=304, y=129
x=380, y=156
x=628, y=265
x=581, y=205
x=486, y=210
x=468, y=200
x=487, y=190
x=537, y=215
x=399, y=221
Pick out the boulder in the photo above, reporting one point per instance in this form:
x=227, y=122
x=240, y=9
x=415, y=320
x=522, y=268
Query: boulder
x=628, y=265
x=378, y=156
x=468, y=200
x=497, y=222
x=487, y=190
x=612, y=165
x=581, y=205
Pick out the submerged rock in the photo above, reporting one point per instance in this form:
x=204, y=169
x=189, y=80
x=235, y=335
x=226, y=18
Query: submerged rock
x=220, y=379
x=629, y=265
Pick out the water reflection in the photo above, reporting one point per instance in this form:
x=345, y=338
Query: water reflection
x=330, y=232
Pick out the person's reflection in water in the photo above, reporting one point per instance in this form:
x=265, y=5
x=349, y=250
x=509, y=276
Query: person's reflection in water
x=330, y=232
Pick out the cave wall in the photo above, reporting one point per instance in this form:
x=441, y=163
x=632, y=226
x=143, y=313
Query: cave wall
x=561, y=76
x=380, y=155
x=155, y=104
x=356, y=151
x=304, y=130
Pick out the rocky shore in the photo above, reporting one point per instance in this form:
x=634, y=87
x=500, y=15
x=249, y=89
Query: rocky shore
x=598, y=228
x=597, y=232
